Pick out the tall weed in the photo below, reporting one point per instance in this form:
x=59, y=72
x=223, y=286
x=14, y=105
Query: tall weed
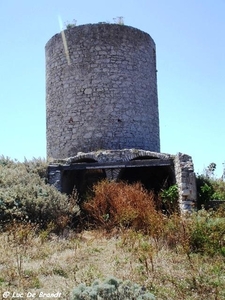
x=117, y=204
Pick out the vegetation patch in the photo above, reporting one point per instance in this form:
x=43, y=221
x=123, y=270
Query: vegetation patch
x=25, y=196
x=118, y=204
x=111, y=289
x=120, y=245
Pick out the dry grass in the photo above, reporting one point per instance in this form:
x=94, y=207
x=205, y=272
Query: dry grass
x=127, y=238
x=35, y=263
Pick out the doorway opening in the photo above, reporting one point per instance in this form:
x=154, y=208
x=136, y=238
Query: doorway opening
x=81, y=179
x=152, y=177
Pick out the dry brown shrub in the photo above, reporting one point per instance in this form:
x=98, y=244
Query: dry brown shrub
x=118, y=204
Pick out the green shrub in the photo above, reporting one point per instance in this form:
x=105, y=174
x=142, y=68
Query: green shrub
x=24, y=195
x=201, y=232
x=170, y=199
x=219, y=189
x=205, y=191
x=209, y=189
x=37, y=166
x=207, y=232
x=111, y=289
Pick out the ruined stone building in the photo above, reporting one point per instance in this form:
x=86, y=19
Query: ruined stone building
x=102, y=112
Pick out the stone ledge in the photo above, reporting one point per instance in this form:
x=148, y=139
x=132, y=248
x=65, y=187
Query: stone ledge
x=102, y=156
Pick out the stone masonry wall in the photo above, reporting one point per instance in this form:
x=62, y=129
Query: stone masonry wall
x=101, y=90
x=186, y=182
x=182, y=166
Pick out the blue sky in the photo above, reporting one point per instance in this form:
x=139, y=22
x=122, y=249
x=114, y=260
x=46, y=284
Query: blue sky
x=190, y=44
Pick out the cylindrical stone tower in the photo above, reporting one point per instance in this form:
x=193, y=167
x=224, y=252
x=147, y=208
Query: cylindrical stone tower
x=101, y=90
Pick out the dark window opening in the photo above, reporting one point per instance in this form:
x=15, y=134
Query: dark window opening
x=81, y=180
x=153, y=178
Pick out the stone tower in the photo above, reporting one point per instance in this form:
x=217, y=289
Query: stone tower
x=101, y=90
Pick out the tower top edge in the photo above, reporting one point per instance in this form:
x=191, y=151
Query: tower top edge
x=102, y=26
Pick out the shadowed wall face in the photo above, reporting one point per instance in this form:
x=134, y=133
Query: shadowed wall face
x=101, y=90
